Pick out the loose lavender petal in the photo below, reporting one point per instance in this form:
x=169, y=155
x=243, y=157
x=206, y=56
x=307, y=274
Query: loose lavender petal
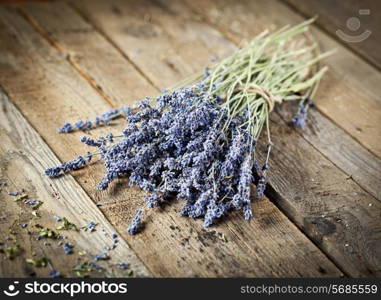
x=68, y=248
x=66, y=128
x=136, y=224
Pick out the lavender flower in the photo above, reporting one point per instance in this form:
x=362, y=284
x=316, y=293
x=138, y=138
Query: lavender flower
x=75, y=164
x=54, y=274
x=90, y=142
x=57, y=218
x=95, y=266
x=31, y=202
x=91, y=226
x=123, y=266
x=136, y=223
x=300, y=118
x=261, y=187
x=102, y=256
x=68, y=248
x=66, y=128
x=54, y=171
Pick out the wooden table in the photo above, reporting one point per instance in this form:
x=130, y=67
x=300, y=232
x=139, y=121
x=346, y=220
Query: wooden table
x=65, y=61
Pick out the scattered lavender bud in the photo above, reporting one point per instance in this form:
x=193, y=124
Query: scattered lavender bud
x=261, y=187
x=66, y=128
x=54, y=274
x=179, y=147
x=57, y=218
x=91, y=226
x=90, y=142
x=79, y=124
x=123, y=266
x=68, y=248
x=88, y=125
x=31, y=202
x=95, y=265
x=300, y=118
x=102, y=256
x=110, y=137
x=136, y=224
x=53, y=172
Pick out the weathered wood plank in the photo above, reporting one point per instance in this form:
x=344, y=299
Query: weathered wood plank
x=170, y=245
x=340, y=148
x=89, y=53
x=351, y=87
x=334, y=15
x=23, y=158
x=311, y=204
x=171, y=52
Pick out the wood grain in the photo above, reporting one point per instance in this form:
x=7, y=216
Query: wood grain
x=351, y=88
x=170, y=245
x=23, y=157
x=302, y=198
x=155, y=39
x=333, y=16
x=359, y=164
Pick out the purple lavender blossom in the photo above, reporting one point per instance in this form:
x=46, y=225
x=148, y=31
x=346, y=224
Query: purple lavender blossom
x=54, y=171
x=123, y=265
x=79, y=124
x=66, y=128
x=102, y=256
x=90, y=142
x=261, y=186
x=72, y=165
x=95, y=266
x=68, y=248
x=300, y=118
x=54, y=274
x=91, y=226
x=136, y=223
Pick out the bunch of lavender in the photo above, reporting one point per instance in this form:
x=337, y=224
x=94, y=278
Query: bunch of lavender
x=197, y=142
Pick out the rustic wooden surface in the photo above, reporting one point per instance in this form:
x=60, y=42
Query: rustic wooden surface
x=24, y=157
x=65, y=61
